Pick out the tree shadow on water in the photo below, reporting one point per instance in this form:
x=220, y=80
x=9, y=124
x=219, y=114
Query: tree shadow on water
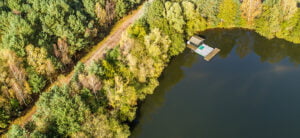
x=169, y=78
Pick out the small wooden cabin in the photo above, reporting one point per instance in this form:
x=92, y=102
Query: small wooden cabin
x=196, y=44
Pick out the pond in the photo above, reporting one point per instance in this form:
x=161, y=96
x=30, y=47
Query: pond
x=251, y=89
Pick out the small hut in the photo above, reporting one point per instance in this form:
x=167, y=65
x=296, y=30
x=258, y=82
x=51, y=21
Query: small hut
x=196, y=44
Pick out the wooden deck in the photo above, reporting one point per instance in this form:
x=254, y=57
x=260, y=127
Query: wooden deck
x=212, y=54
x=191, y=47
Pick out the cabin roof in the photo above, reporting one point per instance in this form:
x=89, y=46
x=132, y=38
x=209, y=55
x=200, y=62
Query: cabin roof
x=196, y=40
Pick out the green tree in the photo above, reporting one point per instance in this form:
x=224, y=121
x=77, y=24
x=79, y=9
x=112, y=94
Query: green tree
x=79, y=68
x=16, y=132
x=138, y=29
x=15, y=5
x=15, y=32
x=38, y=134
x=4, y=118
x=122, y=7
x=209, y=10
x=36, y=81
x=177, y=44
x=100, y=125
x=66, y=111
x=155, y=15
x=89, y=6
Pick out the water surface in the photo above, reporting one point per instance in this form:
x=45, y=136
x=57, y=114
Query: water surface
x=250, y=90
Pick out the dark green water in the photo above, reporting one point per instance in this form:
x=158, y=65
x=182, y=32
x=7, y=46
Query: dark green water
x=250, y=90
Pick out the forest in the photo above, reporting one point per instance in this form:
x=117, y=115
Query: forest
x=42, y=39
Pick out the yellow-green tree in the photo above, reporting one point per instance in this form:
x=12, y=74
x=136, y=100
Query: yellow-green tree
x=227, y=13
x=195, y=22
x=38, y=59
x=174, y=16
x=268, y=24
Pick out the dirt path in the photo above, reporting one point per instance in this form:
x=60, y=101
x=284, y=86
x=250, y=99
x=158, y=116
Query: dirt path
x=114, y=37
x=96, y=53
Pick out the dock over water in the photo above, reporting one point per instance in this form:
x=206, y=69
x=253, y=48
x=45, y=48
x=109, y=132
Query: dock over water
x=196, y=44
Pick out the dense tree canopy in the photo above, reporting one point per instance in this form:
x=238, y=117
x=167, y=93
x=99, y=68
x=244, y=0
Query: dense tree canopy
x=42, y=38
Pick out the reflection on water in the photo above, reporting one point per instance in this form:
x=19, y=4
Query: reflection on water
x=244, y=41
x=249, y=90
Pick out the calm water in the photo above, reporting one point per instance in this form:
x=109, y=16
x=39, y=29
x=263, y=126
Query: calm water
x=250, y=90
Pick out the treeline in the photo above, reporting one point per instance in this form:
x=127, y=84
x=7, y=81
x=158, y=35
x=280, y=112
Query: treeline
x=270, y=18
x=41, y=39
x=102, y=98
